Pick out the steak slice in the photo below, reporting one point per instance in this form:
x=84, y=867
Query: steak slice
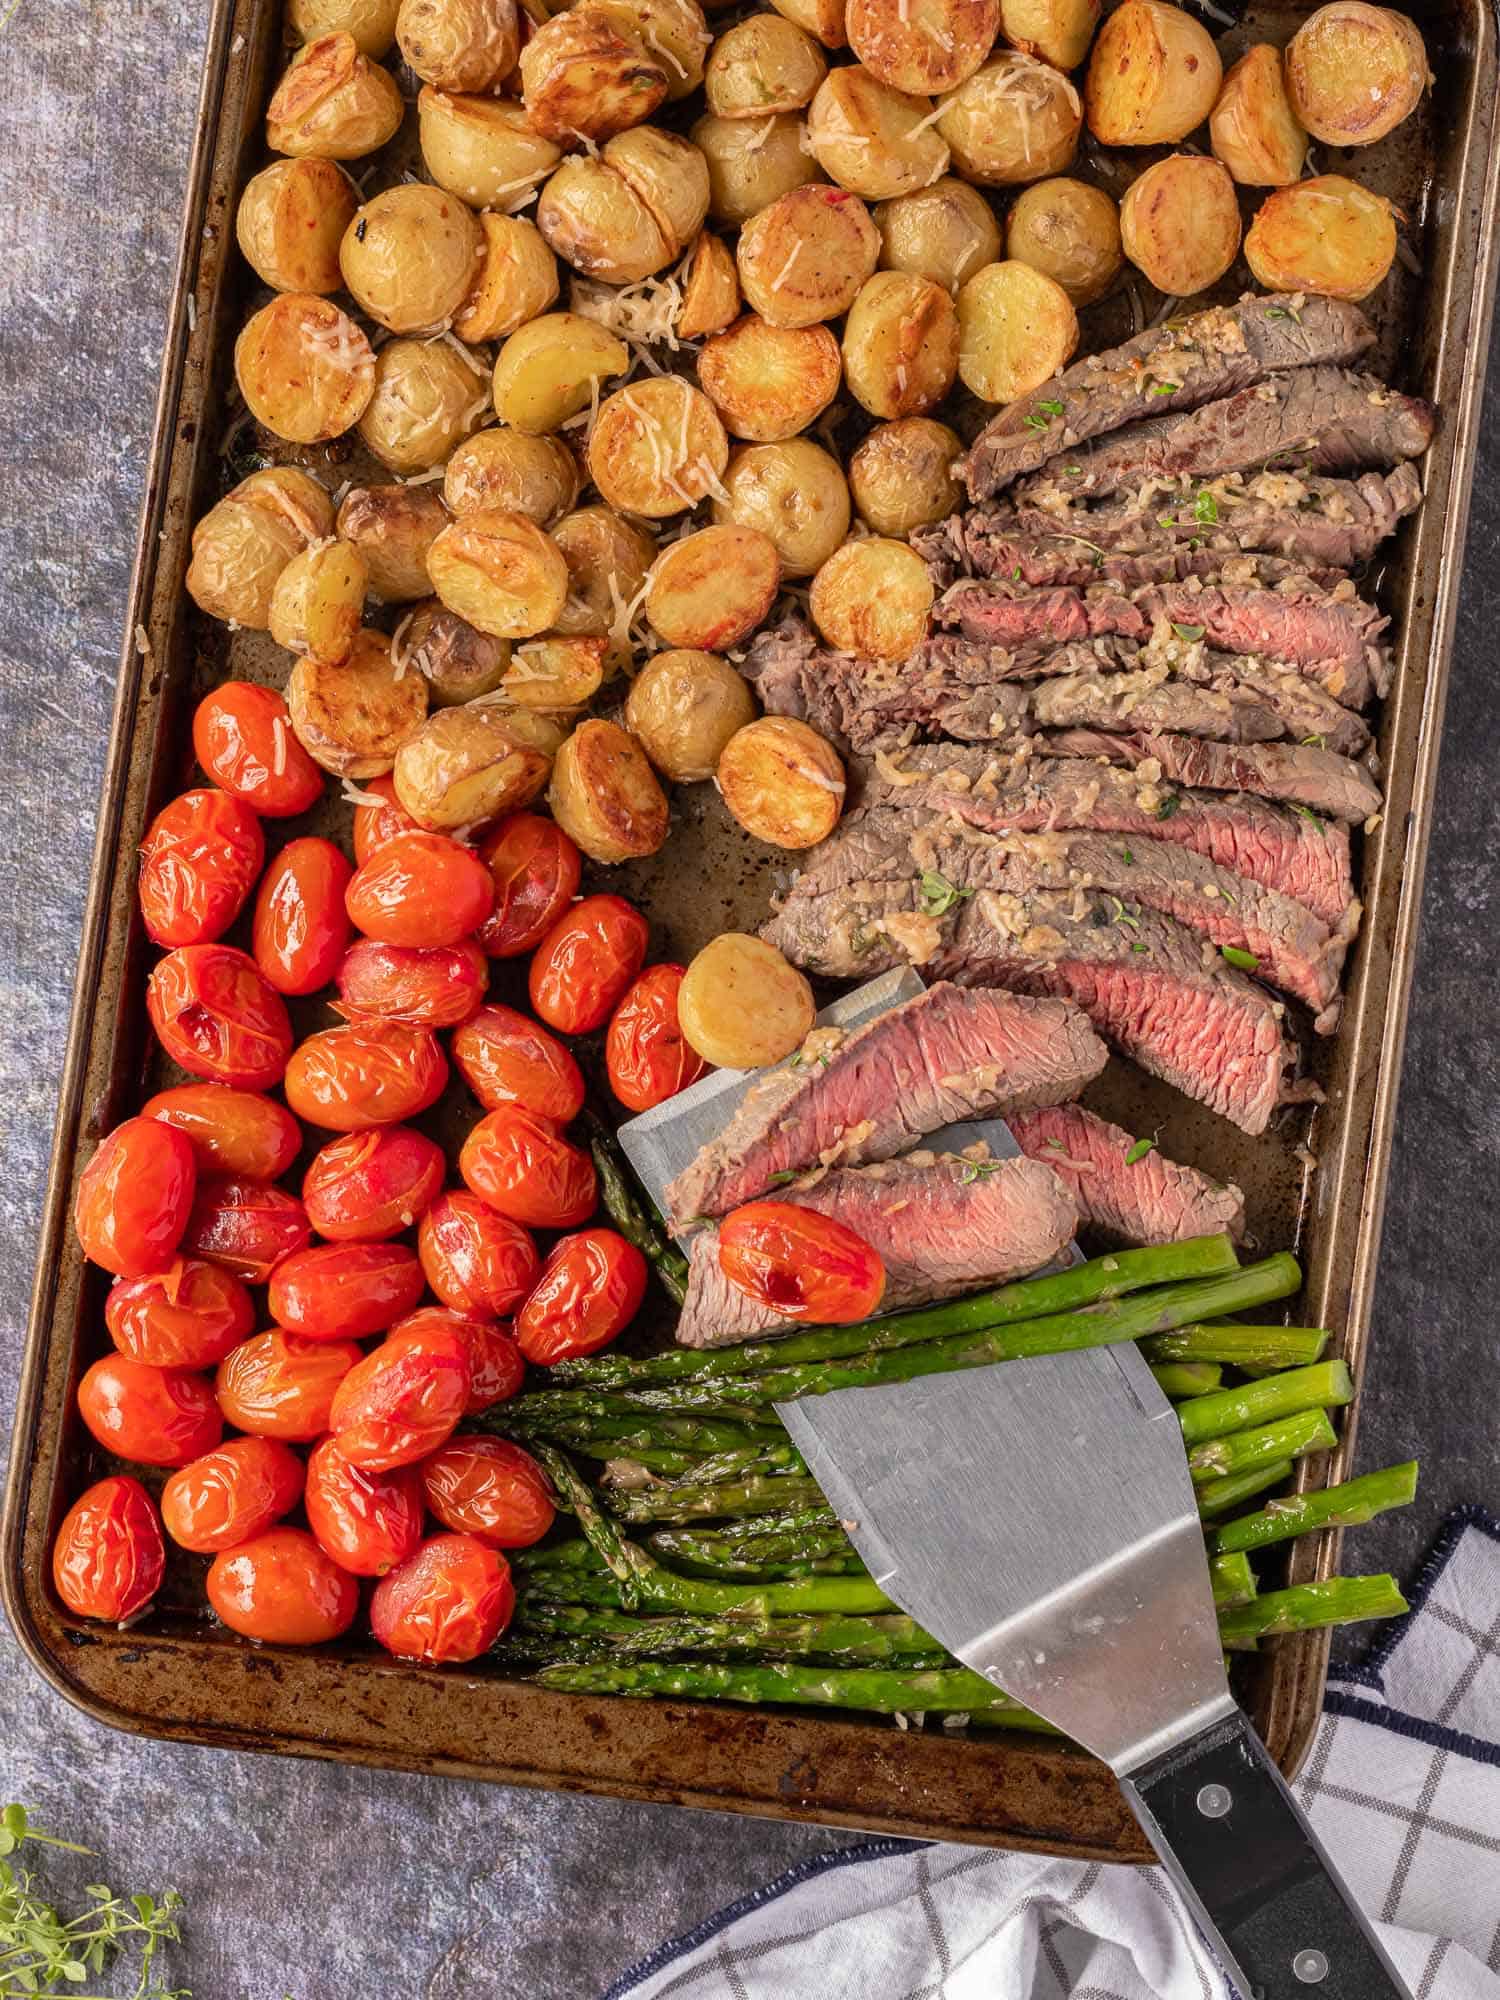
x=1177, y=366
x=1158, y=992
x=947, y=1055
x=1040, y=560
x=1302, y=856
x=942, y=1225
x=1148, y=1200
x=1299, y=774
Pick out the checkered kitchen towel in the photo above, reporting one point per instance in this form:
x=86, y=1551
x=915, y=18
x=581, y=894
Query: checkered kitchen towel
x=1403, y=1785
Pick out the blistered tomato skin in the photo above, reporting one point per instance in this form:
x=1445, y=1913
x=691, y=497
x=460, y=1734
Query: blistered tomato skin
x=277, y=1386
x=368, y=1073
x=199, y=862
x=365, y=1187
x=590, y=1290
x=242, y=736
x=237, y=1490
x=344, y=1291
x=535, y=868
x=433, y=986
x=239, y=1132
x=367, y=1521
x=280, y=1587
x=477, y=1261
x=646, y=1054
x=186, y=1316
x=403, y=1400
x=446, y=1604
x=134, y=1198
x=523, y=1166
x=490, y=1489
x=109, y=1556
x=584, y=965
x=245, y=1227
x=420, y=889
x=507, y=1058
x=301, y=930
x=376, y=824
x=801, y=1264
x=153, y=1416
x=217, y=1016
x=497, y=1367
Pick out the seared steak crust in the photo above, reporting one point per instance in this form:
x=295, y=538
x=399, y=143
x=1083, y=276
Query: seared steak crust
x=1147, y=1200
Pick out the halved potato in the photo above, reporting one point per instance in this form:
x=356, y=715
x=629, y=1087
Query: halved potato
x=922, y=46
x=554, y=674
x=1326, y=235
x=657, y=448
x=483, y=149
x=458, y=662
x=1016, y=119
x=1180, y=223
x=410, y=257
x=741, y=1005
x=499, y=571
x=607, y=559
x=333, y=103
x=901, y=344
x=1253, y=128
x=428, y=396
x=245, y=541
x=1016, y=329
x=710, y=289
x=1354, y=71
x=1059, y=31
x=873, y=140
x=674, y=31
x=795, y=494
x=535, y=476
x=353, y=717
x=550, y=369
x=822, y=18
x=783, y=782
x=711, y=589
x=305, y=369
x=580, y=75
x=516, y=279
x=318, y=602
x=372, y=23
x=470, y=764
x=466, y=45
x=760, y=65
x=804, y=258
x=769, y=382
x=1071, y=231
x=872, y=597
x=683, y=707
x=290, y=221
x=943, y=232
x=1153, y=75
x=901, y=475
x=669, y=174
x=604, y=794
x=393, y=527
x=598, y=223
x=752, y=163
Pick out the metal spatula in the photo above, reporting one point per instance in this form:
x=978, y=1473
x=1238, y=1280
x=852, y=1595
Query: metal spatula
x=1038, y=1519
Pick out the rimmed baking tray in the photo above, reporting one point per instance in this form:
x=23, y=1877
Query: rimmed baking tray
x=1317, y=1184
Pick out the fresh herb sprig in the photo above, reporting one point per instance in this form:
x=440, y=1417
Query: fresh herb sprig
x=42, y=1952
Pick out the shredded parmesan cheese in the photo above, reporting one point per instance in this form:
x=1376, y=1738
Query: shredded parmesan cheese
x=786, y=270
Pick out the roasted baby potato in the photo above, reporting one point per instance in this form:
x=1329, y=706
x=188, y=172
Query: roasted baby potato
x=393, y=527
x=1325, y=235
x=750, y=165
x=410, y=257
x=372, y=23
x=710, y=289
x=657, y=448
x=943, y=232
x=550, y=369
x=535, y=476
x=352, y=718
x=333, y=103
x=1153, y=75
x=669, y=174
x=1072, y=232
x=630, y=211
x=741, y=1005
x=304, y=368
x=1180, y=223
x=901, y=344
x=769, y=382
x=468, y=765
x=1059, y=31
x=516, y=279
x=711, y=589
x=673, y=30
x=762, y=64
x=1353, y=72
x=242, y=545
x=901, y=475
x=1252, y=127
x=464, y=45
x=804, y=258
x=1016, y=328
x=428, y=396
x=604, y=794
x=290, y=220
x=683, y=707
x=823, y=19
x=782, y=781
x=607, y=558
x=581, y=75
x=872, y=597
x=458, y=662
x=795, y=494
x=318, y=602
x=483, y=149
x=554, y=675
x=873, y=140
x=499, y=571
x=1016, y=119
x=922, y=46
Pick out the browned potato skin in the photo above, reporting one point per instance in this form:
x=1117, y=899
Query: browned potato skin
x=901, y=475
x=458, y=662
x=922, y=46
x=710, y=289
x=751, y=165
x=674, y=30
x=463, y=45
x=623, y=216
x=535, y=476
x=318, y=601
x=821, y=18
x=1070, y=231
x=483, y=149
x=604, y=794
x=1180, y=223
x=1059, y=31
x=659, y=482
x=410, y=257
x=555, y=675
x=598, y=544
x=393, y=527
x=469, y=764
x=669, y=174
x=782, y=781
x=872, y=598
x=804, y=258
x=1354, y=72
x=1153, y=75
x=427, y=399
x=353, y=718
x=991, y=142
x=683, y=707
x=795, y=493
x=290, y=220
x=516, y=281
x=1327, y=235
x=499, y=571
x=770, y=382
x=581, y=75
x=304, y=368
x=871, y=139
x=901, y=345
x=372, y=23
x=711, y=589
x=244, y=542
x=763, y=64
x=1253, y=128
x=333, y=103
x=741, y=1005
x=944, y=232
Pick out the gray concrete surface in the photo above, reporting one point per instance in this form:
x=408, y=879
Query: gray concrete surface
x=331, y=1884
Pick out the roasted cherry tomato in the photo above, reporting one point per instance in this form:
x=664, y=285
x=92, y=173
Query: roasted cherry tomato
x=477, y=1261
x=237, y=1132
x=345, y=1291
x=216, y=1015
x=420, y=889
x=366, y=1186
x=590, y=1290
x=645, y=1051
x=275, y=1385
x=496, y=1369
x=242, y=736
x=245, y=1227
x=523, y=1166
x=404, y=1399
x=448, y=1603
x=376, y=824
x=199, y=862
x=491, y=1489
x=432, y=986
x=369, y=1073
x=367, y=1521
x=154, y=1416
x=301, y=928
x=282, y=1588
x=585, y=964
x=800, y=1264
x=236, y=1491
x=187, y=1316
x=134, y=1198
x=507, y=1058
x=535, y=870
x=108, y=1559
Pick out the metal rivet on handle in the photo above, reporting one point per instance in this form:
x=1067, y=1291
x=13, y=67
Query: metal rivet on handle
x=1310, y=1967
x=1214, y=1802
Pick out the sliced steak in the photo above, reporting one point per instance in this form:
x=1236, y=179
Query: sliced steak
x=1042, y=560
x=942, y=1225
x=948, y=1055
x=1177, y=366
x=1299, y=774
x=1147, y=1200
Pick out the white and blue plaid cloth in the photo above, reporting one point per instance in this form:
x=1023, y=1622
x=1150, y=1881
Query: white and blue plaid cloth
x=1402, y=1783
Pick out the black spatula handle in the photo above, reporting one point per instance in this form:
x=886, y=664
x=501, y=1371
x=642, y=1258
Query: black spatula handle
x=1240, y=1849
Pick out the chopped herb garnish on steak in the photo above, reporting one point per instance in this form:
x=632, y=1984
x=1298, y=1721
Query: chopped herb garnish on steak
x=1052, y=408
x=1034, y=422
x=1315, y=742
x=938, y=893
x=1168, y=806
x=1139, y=947
x=978, y=1170
x=1284, y=312
x=1205, y=507
x=1073, y=471
x=1163, y=388
x=780, y=1180
x=1166, y=520
x=1127, y=856
x=1191, y=633
x=1243, y=961
x=1122, y=915
x=1139, y=1151
x=1015, y=575
x=1307, y=813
